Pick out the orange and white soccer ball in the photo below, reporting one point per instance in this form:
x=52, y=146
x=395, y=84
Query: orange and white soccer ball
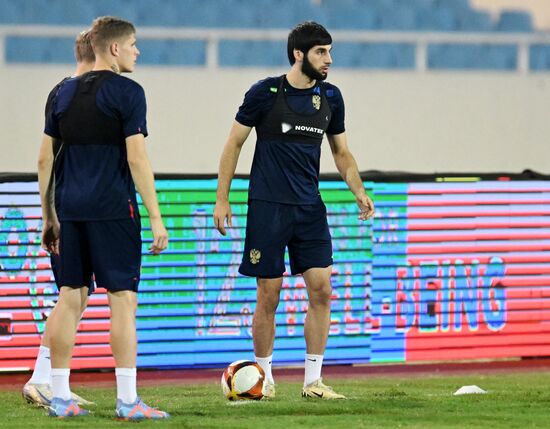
x=243, y=379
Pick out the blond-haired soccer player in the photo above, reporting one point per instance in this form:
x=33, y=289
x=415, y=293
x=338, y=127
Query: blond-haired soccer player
x=37, y=390
x=101, y=119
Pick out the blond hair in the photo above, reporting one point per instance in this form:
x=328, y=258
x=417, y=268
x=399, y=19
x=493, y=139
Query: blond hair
x=107, y=29
x=83, y=51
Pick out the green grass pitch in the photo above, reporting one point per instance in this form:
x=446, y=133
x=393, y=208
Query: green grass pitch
x=514, y=400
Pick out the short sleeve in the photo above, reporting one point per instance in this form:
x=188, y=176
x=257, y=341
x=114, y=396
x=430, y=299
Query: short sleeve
x=51, y=126
x=49, y=101
x=336, y=102
x=134, y=112
x=257, y=102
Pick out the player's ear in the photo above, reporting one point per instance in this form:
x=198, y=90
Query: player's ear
x=114, y=49
x=298, y=55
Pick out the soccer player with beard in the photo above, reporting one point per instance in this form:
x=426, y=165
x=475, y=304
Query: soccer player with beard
x=291, y=114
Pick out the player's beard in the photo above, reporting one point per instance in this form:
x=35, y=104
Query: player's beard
x=310, y=71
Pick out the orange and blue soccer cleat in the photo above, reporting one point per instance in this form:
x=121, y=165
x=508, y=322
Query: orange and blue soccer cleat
x=69, y=408
x=138, y=410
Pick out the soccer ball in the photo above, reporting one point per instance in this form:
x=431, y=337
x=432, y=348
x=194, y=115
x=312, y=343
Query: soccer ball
x=243, y=379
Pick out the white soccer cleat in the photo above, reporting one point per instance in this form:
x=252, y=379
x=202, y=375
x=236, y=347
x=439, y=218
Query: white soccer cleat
x=41, y=395
x=319, y=390
x=38, y=394
x=81, y=401
x=269, y=390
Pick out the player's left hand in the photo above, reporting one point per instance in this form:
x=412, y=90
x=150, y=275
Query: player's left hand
x=160, y=236
x=366, y=207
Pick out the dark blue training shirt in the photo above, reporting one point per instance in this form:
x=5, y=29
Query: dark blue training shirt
x=93, y=179
x=48, y=110
x=285, y=168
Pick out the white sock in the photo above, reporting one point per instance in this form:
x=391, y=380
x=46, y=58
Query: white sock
x=60, y=383
x=42, y=367
x=313, y=365
x=126, y=385
x=265, y=363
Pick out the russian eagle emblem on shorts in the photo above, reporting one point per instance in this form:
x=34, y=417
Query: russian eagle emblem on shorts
x=255, y=256
x=316, y=100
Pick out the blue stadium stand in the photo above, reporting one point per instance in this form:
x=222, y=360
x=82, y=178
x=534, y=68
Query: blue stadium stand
x=437, y=20
x=402, y=18
x=474, y=21
x=351, y=18
x=374, y=55
x=173, y=52
x=39, y=50
x=252, y=53
x=472, y=57
x=539, y=58
x=515, y=21
x=363, y=15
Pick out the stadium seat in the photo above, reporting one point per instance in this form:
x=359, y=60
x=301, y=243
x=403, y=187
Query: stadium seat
x=235, y=14
x=76, y=13
x=443, y=56
x=62, y=12
x=215, y=13
x=39, y=50
x=402, y=18
x=474, y=21
x=252, y=53
x=28, y=12
x=539, y=57
x=166, y=13
x=284, y=13
x=501, y=57
x=126, y=9
x=173, y=52
x=368, y=15
x=348, y=18
x=456, y=5
x=9, y=13
x=417, y=4
x=515, y=21
x=437, y=20
x=309, y=11
x=471, y=56
x=350, y=3
x=374, y=55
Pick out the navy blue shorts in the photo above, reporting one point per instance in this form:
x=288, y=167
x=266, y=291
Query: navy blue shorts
x=55, y=261
x=271, y=227
x=109, y=250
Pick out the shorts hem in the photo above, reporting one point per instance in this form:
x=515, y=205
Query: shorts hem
x=302, y=270
x=131, y=286
x=260, y=276
x=80, y=286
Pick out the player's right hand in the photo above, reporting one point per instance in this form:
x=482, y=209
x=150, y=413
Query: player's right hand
x=160, y=236
x=50, y=237
x=222, y=211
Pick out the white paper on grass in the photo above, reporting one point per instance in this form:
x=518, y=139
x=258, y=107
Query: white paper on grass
x=468, y=390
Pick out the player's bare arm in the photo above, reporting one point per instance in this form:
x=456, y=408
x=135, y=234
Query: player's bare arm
x=347, y=167
x=228, y=163
x=50, y=228
x=142, y=173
